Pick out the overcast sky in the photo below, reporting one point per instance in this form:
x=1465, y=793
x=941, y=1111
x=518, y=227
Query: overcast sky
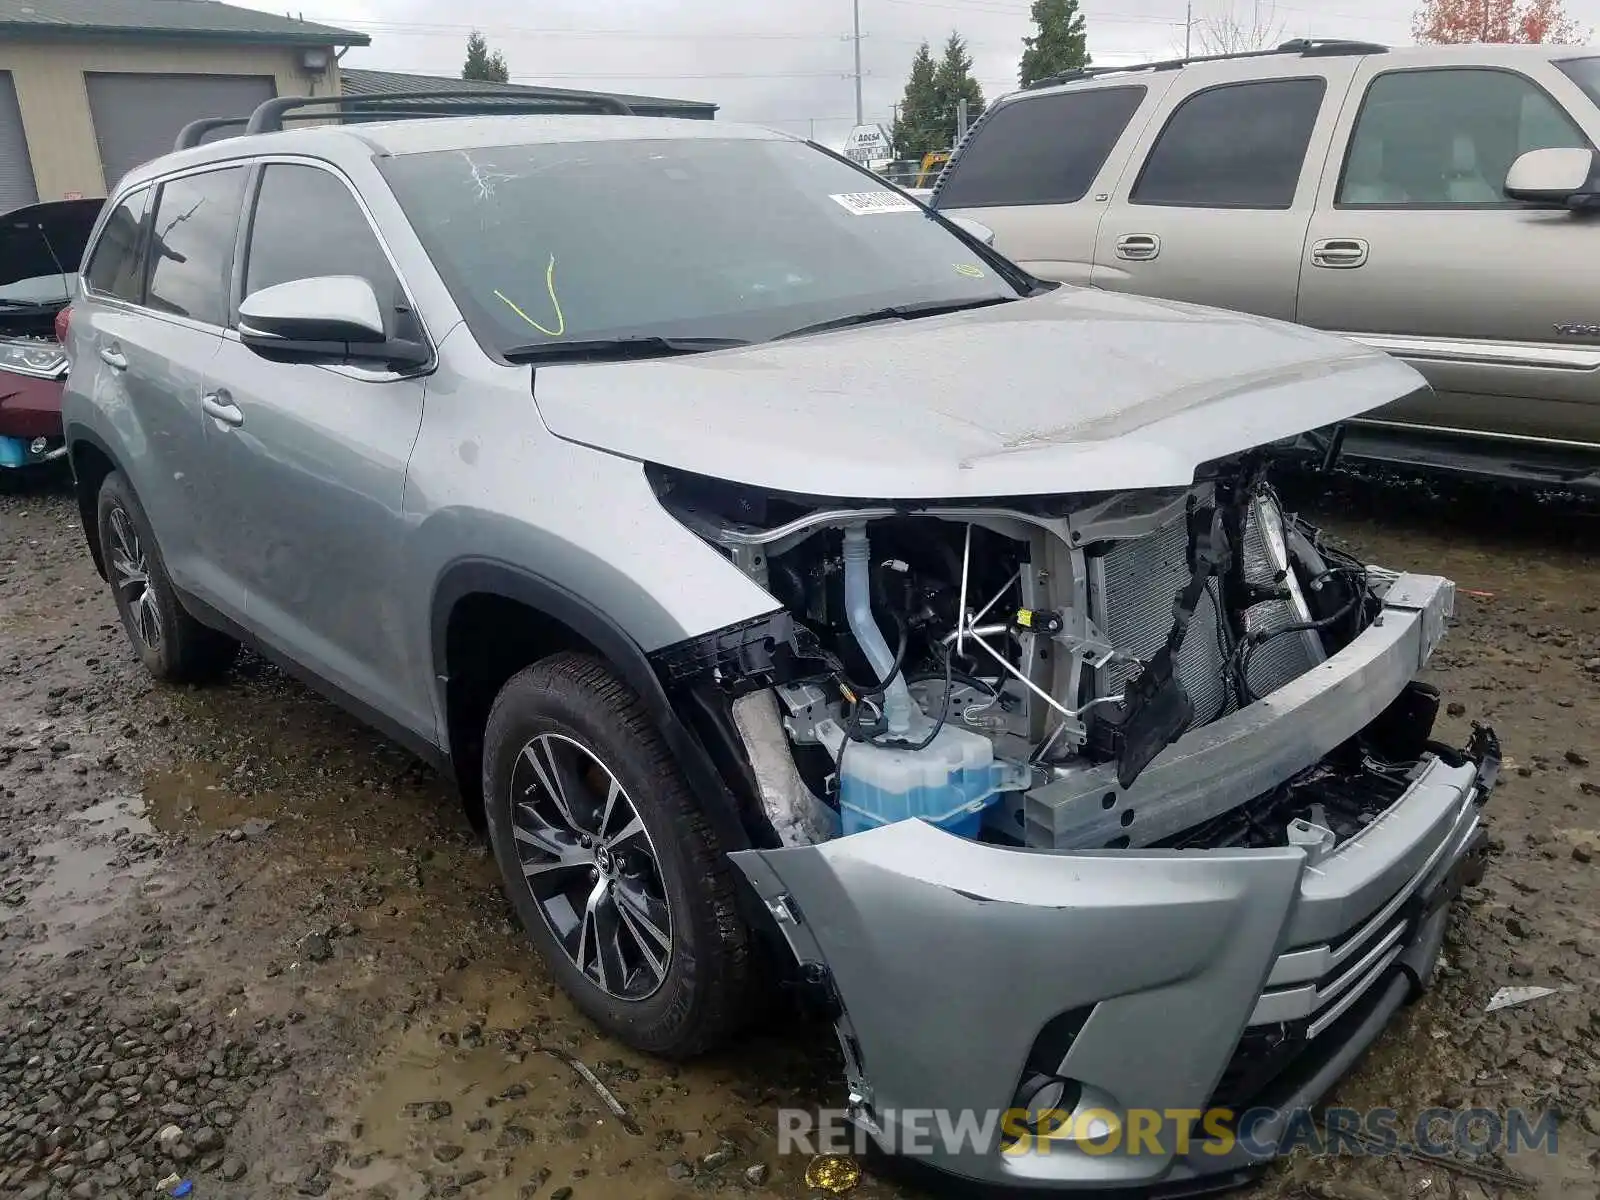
x=787, y=62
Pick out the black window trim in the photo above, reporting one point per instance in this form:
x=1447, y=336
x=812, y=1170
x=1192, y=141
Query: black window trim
x=147, y=268
x=140, y=245
x=1487, y=206
x=246, y=231
x=1217, y=87
x=953, y=165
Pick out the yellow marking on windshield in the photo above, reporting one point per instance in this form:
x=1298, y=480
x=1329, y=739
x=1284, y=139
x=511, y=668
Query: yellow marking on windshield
x=550, y=286
x=970, y=270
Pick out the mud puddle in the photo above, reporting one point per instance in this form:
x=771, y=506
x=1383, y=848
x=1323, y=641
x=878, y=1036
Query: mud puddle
x=482, y=1089
x=81, y=871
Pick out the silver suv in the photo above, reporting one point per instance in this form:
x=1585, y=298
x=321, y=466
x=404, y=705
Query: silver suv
x=1436, y=203
x=590, y=457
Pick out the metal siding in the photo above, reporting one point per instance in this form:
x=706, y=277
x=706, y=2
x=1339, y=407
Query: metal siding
x=16, y=168
x=138, y=115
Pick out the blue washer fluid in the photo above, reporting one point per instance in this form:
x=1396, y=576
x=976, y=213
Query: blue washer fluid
x=949, y=783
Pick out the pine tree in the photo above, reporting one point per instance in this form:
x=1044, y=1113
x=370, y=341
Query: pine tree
x=1061, y=44
x=916, y=129
x=481, y=63
x=953, y=82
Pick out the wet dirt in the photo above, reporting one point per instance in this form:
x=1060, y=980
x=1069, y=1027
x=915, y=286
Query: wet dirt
x=245, y=941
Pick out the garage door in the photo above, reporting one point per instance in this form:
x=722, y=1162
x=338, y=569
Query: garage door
x=137, y=116
x=16, y=170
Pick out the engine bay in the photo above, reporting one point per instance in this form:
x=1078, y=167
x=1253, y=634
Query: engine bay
x=971, y=664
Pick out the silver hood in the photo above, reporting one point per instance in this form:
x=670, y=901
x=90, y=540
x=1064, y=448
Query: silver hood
x=1076, y=390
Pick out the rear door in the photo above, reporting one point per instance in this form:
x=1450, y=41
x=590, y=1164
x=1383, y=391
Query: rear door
x=1415, y=249
x=156, y=288
x=313, y=458
x=1214, y=205
x=1036, y=170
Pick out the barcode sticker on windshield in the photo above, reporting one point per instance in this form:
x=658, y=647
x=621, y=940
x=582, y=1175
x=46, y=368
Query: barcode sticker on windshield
x=867, y=204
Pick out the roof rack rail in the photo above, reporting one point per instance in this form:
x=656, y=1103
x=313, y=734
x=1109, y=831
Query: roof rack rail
x=269, y=117
x=1305, y=47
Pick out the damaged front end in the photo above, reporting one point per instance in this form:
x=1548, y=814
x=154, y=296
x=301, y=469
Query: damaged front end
x=1186, y=840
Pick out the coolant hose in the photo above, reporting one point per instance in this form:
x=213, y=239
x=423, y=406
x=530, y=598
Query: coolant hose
x=897, y=702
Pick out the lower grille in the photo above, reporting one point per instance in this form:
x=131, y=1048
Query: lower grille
x=1136, y=582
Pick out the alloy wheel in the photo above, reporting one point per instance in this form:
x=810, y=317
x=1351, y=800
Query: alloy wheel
x=130, y=567
x=591, y=867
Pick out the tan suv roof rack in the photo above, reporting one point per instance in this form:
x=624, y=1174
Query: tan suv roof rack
x=1305, y=47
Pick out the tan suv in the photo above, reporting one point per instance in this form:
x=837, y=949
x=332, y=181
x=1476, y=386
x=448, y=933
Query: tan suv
x=1349, y=187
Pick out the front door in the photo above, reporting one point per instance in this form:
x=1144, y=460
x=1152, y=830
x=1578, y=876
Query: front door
x=1415, y=249
x=316, y=460
x=1214, y=202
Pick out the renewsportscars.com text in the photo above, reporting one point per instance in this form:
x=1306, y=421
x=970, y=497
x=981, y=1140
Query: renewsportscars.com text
x=1217, y=1131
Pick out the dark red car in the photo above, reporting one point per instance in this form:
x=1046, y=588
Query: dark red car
x=40, y=249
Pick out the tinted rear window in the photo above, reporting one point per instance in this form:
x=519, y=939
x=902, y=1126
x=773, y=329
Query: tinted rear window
x=1040, y=151
x=191, y=244
x=1236, y=146
x=114, y=268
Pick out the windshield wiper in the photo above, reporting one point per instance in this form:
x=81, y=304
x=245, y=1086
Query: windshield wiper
x=606, y=349
x=904, y=312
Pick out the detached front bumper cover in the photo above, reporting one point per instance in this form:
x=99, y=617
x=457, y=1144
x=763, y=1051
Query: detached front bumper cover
x=1192, y=978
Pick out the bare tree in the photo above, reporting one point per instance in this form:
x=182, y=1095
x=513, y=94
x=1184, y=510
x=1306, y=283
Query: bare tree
x=1233, y=26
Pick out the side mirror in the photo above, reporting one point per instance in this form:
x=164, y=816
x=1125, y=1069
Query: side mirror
x=976, y=228
x=329, y=319
x=1554, y=178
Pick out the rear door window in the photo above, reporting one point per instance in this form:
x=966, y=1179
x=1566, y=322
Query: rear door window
x=192, y=237
x=1046, y=150
x=116, y=263
x=1240, y=145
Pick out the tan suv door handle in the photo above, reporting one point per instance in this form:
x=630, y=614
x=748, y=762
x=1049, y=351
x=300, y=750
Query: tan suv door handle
x=1339, y=253
x=1138, y=246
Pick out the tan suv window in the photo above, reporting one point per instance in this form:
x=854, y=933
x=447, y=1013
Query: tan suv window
x=1237, y=145
x=1445, y=138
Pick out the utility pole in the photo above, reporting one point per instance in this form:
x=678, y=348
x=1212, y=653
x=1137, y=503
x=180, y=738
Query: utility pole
x=1188, y=25
x=856, y=5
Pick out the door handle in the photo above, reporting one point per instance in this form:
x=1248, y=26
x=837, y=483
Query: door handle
x=1339, y=253
x=220, y=408
x=1140, y=247
x=113, y=358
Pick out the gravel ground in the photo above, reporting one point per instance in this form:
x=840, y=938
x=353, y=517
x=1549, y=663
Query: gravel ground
x=244, y=942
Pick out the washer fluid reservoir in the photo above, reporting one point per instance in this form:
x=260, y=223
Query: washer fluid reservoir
x=949, y=783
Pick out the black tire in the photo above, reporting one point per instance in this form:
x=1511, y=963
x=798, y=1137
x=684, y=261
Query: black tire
x=171, y=643
x=575, y=708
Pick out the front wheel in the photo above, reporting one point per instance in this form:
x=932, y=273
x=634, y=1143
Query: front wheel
x=609, y=862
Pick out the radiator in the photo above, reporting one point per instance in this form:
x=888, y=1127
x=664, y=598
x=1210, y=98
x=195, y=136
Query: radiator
x=1135, y=583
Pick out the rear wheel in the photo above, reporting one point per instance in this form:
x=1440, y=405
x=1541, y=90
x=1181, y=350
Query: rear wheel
x=172, y=645
x=609, y=862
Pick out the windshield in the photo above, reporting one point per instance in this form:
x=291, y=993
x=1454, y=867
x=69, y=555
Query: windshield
x=725, y=238
x=1585, y=72
x=43, y=289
